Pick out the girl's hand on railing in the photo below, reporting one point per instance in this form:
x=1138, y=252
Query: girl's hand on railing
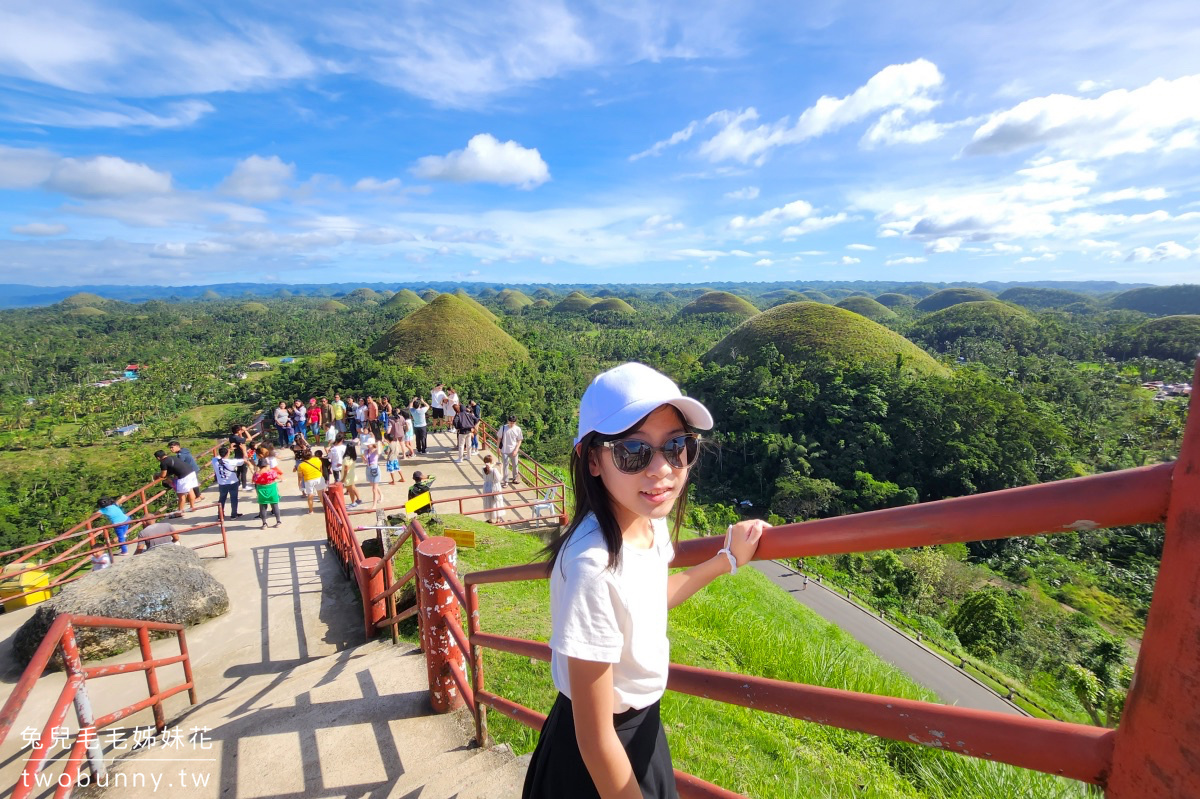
x=744, y=537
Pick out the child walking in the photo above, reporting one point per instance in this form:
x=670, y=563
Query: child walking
x=492, y=483
x=266, y=489
x=610, y=589
x=392, y=454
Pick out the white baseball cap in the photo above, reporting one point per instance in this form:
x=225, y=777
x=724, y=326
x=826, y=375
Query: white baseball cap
x=618, y=398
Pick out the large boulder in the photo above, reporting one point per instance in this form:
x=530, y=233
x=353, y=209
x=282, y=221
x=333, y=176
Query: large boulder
x=167, y=583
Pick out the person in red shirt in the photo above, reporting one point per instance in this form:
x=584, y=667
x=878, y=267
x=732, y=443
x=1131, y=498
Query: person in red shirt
x=373, y=416
x=314, y=419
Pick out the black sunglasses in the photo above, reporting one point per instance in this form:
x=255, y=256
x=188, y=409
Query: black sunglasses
x=631, y=455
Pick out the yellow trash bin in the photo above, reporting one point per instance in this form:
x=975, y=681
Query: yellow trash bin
x=18, y=584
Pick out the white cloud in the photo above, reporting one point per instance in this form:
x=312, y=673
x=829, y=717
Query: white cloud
x=897, y=127
x=106, y=176
x=748, y=193
x=944, y=244
x=813, y=224
x=764, y=262
x=24, y=168
x=106, y=115
x=863, y=247
x=657, y=224
x=99, y=49
x=1006, y=249
x=904, y=261
x=1149, y=195
x=1161, y=114
x=707, y=255
x=849, y=261
x=1087, y=86
x=900, y=86
x=797, y=209
x=375, y=184
x=257, y=179
x=487, y=160
x=39, y=229
x=677, y=137
x=1166, y=251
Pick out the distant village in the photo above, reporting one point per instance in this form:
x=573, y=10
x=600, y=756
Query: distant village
x=1164, y=391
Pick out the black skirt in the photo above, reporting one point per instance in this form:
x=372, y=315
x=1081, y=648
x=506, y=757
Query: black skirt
x=557, y=770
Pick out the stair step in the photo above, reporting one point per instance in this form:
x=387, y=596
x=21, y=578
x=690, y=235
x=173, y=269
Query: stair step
x=448, y=780
x=503, y=783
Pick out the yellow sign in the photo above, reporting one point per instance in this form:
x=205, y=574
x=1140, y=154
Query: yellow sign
x=418, y=502
x=462, y=538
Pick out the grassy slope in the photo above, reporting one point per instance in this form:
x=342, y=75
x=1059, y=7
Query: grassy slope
x=454, y=334
x=808, y=329
x=719, y=302
x=748, y=625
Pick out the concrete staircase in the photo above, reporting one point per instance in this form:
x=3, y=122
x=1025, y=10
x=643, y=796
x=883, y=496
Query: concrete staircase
x=351, y=724
x=294, y=701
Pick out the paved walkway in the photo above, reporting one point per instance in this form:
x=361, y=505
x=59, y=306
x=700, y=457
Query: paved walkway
x=946, y=680
x=289, y=651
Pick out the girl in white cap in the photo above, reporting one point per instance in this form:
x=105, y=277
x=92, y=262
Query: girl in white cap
x=610, y=589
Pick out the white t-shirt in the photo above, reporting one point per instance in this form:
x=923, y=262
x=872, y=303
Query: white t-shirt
x=335, y=455
x=616, y=616
x=510, y=438
x=448, y=403
x=435, y=399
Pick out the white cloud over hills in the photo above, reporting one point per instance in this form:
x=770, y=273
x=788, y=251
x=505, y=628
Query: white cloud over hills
x=487, y=160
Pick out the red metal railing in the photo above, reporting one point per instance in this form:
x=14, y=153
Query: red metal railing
x=1156, y=750
x=61, y=637
x=76, y=557
x=85, y=534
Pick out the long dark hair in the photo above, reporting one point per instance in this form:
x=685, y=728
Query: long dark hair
x=591, y=497
x=351, y=453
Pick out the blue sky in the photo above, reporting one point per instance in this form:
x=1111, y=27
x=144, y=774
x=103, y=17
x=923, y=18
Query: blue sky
x=623, y=141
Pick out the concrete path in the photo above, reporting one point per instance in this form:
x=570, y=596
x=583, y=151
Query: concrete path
x=332, y=716
x=952, y=685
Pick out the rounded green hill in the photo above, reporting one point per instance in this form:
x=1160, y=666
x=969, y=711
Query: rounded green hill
x=544, y=294
x=85, y=311
x=893, y=300
x=947, y=297
x=333, y=306
x=513, y=300
x=1040, y=298
x=1160, y=300
x=254, y=307
x=664, y=297
x=84, y=300
x=454, y=335
x=612, y=305
x=209, y=294
x=812, y=295
x=486, y=293
x=865, y=306
x=404, y=301
x=1175, y=337
x=429, y=295
x=541, y=304
x=811, y=331
x=362, y=294
x=467, y=298
x=719, y=302
x=575, y=302
x=780, y=297
x=1010, y=325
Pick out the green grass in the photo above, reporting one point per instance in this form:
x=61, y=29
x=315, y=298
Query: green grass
x=206, y=417
x=742, y=624
x=475, y=343
x=719, y=302
x=808, y=330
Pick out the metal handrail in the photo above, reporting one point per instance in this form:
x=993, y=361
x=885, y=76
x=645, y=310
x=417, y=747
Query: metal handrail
x=61, y=637
x=1152, y=753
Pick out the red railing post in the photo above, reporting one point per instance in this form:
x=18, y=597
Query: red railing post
x=160, y=721
x=389, y=578
x=419, y=595
x=476, y=664
x=83, y=705
x=370, y=587
x=1157, y=748
x=441, y=653
x=221, y=524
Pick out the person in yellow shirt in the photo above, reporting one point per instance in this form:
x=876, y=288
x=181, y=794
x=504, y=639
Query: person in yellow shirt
x=337, y=410
x=312, y=479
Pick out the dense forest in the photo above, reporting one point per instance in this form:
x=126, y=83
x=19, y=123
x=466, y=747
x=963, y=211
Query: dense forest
x=828, y=399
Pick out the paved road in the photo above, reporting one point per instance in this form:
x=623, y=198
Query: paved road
x=920, y=664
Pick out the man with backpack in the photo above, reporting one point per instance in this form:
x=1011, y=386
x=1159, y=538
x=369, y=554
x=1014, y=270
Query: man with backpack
x=511, y=437
x=464, y=424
